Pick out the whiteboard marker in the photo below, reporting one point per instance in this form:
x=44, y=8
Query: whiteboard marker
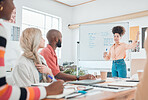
x=106, y=49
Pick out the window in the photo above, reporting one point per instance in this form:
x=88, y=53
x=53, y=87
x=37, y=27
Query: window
x=43, y=21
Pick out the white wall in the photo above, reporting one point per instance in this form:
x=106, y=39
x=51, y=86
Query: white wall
x=101, y=9
x=47, y=6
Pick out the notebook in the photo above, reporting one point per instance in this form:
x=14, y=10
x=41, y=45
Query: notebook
x=65, y=93
x=86, y=82
x=41, y=84
x=71, y=91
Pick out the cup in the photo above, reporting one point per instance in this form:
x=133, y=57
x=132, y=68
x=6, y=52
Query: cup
x=140, y=72
x=103, y=75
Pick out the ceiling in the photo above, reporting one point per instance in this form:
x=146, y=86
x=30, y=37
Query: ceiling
x=73, y=3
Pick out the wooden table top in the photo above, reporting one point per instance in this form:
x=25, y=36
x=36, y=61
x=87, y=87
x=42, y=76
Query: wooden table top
x=106, y=95
x=124, y=95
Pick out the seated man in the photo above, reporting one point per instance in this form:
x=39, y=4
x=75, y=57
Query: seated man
x=55, y=39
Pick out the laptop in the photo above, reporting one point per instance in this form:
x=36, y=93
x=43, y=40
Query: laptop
x=86, y=82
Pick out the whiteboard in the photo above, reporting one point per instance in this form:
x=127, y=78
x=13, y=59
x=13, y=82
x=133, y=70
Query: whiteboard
x=95, y=39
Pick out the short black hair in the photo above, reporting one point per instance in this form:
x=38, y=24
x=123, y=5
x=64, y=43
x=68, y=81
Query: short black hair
x=119, y=29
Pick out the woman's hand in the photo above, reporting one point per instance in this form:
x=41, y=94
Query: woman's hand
x=137, y=36
x=55, y=88
x=104, y=54
x=44, y=69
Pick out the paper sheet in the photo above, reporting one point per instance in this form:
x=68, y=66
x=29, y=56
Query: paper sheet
x=65, y=93
x=41, y=84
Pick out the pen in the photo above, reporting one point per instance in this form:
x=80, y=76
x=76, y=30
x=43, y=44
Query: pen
x=105, y=87
x=106, y=49
x=50, y=77
x=53, y=79
x=82, y=92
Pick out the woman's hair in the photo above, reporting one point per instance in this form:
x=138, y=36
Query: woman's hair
x=119, y=29
x=30, y=41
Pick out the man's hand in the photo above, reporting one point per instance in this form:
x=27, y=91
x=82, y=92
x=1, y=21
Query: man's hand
x=55, y=88
x=88, y=76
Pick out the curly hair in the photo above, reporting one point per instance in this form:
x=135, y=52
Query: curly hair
x=119, y=29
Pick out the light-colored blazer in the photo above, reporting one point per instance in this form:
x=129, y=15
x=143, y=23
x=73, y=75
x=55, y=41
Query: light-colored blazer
x=25, y=73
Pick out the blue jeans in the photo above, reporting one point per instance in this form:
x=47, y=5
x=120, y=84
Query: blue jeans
x=119, y=68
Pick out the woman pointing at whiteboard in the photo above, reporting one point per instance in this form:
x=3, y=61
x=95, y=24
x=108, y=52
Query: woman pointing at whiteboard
x=117, y=52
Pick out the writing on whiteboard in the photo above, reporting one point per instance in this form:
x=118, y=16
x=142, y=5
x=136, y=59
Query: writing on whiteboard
x=92, y=38
x=108, y=41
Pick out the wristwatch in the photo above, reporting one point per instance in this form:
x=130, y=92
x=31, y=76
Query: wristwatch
x=77, y=78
